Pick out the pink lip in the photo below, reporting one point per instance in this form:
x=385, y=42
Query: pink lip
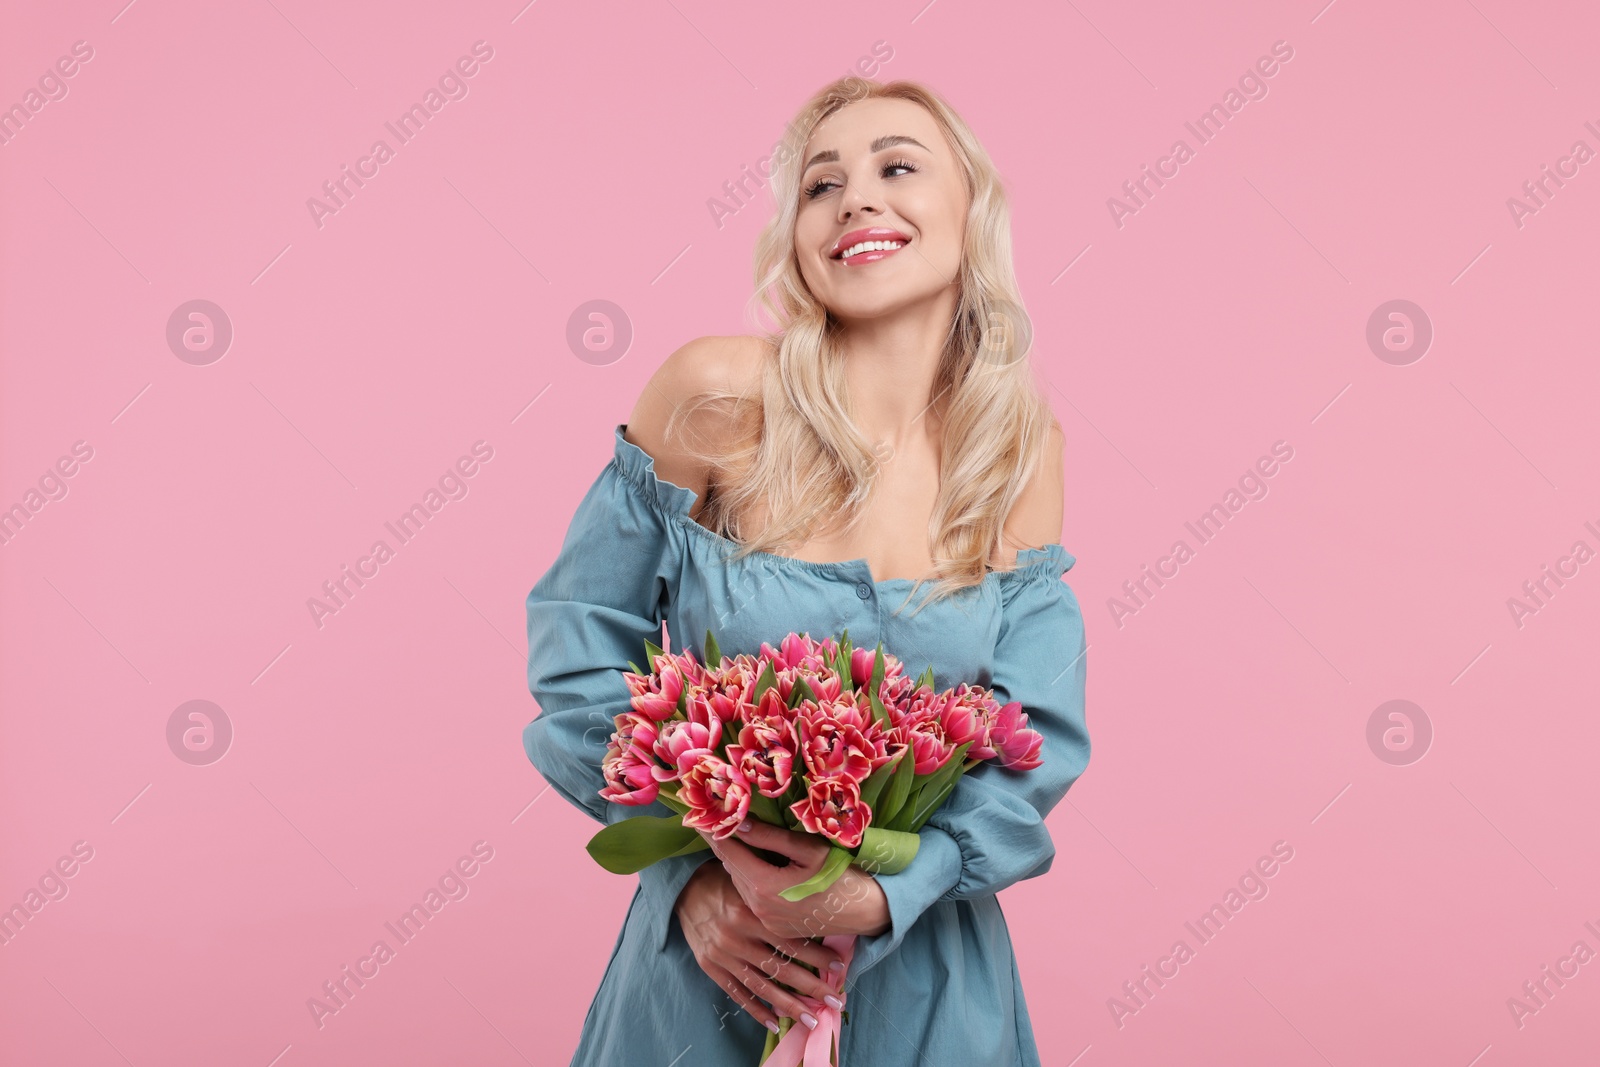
x=873, y=233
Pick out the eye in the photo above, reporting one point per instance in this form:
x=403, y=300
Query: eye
x=816, y=188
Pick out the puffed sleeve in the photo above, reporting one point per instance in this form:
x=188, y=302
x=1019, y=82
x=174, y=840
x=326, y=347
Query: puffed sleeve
x=990, y=832
x=589, y=615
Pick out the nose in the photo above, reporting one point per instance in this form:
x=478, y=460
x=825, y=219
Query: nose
x=857, y=199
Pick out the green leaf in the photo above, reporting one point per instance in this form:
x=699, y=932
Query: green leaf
x=633, y=844
x=925, y=678
x=671, y=801
x=832, y=867
x=923, y=790
x=793, y=795
x=931, y=792
x=886, y=851
x=952, y=767
x=899, y=789
x=651, y=651
x=767, y=679
x=879, y=712
x=873, y=786
x=932, y=804
x=801, y=691
x=901, y=818
x=766, y=809
x=698, y=844
x=713, y=653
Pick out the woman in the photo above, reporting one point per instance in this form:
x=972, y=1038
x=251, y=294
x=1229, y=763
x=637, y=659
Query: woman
x=777, y=484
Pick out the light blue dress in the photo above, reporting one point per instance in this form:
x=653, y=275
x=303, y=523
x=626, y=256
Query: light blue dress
x=940, y=986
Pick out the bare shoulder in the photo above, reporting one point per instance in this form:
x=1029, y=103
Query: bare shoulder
x=1037, y=516
x=727, y=363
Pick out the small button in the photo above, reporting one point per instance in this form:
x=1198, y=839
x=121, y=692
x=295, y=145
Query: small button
x=863, y=590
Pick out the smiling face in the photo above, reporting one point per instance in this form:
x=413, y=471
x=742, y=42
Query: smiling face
x=881, y=183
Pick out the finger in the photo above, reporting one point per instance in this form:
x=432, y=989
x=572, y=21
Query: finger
x=815, y=953
x=780, y=967
x=742, y=996
x=729, y=856
x=781, y=997
x=802, y=847
x=738, y=857
x=803, y=861
x=741, y=885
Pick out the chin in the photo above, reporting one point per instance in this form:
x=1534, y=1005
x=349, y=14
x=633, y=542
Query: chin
x=859, y=306
x=856, y=311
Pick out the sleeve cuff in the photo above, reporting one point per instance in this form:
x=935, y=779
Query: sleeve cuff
x=934, y=871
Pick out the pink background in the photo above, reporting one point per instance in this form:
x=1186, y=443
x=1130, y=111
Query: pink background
x=1231, y=712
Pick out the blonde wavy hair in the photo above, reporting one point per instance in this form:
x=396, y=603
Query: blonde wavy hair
x=802, y=458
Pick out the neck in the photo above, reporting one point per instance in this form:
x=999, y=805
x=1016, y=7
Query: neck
x=890, y=365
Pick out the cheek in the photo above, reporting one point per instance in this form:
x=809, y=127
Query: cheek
x=955, y=215
x=952, y=240
x=813, y=273
x=808, y=237
x=811, y=226
x=939, y=216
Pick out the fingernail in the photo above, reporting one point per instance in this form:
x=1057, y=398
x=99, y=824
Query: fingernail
x=772, y=1026
x=744, y=827
x=836, y=966
x=833, y=1002
x=809, y=1019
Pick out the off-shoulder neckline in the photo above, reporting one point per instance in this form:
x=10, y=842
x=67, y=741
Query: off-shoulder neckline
x=676, y=501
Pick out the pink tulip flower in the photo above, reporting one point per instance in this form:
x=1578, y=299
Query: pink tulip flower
x=681, y=736
x=832, y=807
x=629, y=780
x=1018, y=744
x=716, y=791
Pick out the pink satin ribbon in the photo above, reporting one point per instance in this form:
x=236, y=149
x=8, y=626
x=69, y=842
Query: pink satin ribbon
x=801, y=1047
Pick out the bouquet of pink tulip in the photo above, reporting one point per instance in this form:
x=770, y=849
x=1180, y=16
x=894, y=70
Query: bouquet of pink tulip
x=814, y=736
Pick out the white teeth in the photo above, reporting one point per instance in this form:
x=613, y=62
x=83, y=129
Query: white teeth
x=870, y=246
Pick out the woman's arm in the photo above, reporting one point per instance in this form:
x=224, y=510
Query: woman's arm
x=990, y=832
x=605, y=594
x=588, y=617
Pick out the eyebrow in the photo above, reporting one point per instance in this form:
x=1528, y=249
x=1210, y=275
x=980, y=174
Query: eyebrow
x=887, y=141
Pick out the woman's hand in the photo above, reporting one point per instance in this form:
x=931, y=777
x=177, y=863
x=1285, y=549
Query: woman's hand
x=853, y=904
x=747, y=960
